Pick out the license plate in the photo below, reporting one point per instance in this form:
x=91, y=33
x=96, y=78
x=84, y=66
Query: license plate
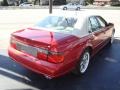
x=27, y=49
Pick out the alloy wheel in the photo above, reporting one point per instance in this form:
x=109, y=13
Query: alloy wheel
x=84, y=62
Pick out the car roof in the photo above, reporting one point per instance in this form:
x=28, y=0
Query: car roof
x=82, y=20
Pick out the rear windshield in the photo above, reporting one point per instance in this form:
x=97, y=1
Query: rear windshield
x=58, y=23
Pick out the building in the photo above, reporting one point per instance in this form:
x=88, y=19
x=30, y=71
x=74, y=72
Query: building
x=58, y=2
x=41, y=2
x=106, y=2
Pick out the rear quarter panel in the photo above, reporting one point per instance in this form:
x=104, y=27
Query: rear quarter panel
x=73, y=48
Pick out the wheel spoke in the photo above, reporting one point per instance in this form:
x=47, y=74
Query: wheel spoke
x=82, y=67
x=84, y=62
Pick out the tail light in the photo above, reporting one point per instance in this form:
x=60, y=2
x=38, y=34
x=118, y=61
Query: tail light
x=13, y=43
x=53, y=57
x=42, y=54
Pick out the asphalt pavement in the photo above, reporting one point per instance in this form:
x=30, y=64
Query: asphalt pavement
x=103, y=72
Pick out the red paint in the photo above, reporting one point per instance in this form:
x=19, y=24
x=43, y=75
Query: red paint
x=63, y=50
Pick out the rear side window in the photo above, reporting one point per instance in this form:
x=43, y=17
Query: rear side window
x=94, y=25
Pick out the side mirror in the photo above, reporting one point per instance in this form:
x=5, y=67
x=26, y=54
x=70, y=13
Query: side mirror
x=110, y=24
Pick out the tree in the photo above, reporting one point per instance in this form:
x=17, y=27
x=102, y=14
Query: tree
x=59, y=2
x=5, y=3
x=89, y=1
x=36, y=2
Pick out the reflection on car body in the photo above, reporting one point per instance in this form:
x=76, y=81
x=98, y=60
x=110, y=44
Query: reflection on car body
x=61, y=43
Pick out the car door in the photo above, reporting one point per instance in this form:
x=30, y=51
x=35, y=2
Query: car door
x=96, y=32
x=106, y=29
x=70, y=6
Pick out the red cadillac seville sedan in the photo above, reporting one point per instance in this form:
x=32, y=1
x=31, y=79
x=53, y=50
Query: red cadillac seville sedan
x=59, y=44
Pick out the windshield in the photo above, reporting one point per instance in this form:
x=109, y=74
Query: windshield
x=58, y=23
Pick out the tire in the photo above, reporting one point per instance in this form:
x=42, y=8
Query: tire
x=83, y=64
x=65, y=8
x=78, y=8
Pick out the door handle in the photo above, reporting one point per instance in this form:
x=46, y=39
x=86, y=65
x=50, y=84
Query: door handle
x=104, y=32
x=92, y=36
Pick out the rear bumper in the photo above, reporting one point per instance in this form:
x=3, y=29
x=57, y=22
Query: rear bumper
x=49, y=70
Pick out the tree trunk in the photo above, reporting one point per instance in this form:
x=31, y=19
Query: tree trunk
x=39, y=2
x=35, y=2
x=5, y=3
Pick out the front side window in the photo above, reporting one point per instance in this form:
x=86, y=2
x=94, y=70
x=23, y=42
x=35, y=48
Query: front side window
x=101, y=21
x=70, y=4
x=94, y=24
